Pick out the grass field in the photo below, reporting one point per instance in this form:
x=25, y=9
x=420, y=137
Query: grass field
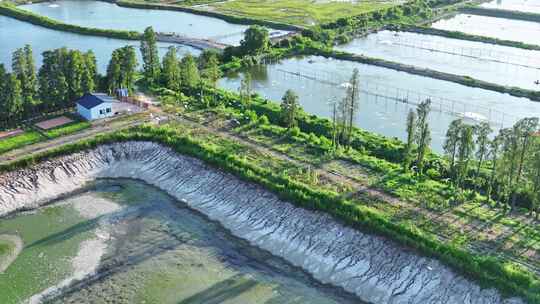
x=67, y=129
x=32, y=137
x=18, y=141
x=297, y=12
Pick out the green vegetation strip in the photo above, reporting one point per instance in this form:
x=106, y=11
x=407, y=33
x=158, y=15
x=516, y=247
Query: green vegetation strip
x=500, y=13
x=32, y=137
x=487, y=270
x=464, y=36
x=18, y=141
x=10, y=10
x=67, y=129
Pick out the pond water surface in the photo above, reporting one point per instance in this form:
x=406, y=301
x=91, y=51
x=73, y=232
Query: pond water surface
x=15, y=34
x=531, y=6
x=382, y=106
x=493, y=63
x=106, y=15
x=501, y=28
x=122, y=241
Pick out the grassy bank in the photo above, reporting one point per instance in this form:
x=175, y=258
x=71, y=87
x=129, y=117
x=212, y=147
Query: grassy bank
x=430, y=202
x=500, y=13
x=464, y=36
x=10, y=10
x=223, y=154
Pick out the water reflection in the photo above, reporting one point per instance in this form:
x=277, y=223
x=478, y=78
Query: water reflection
x=387, y=95
x=106, y=15
x=15, y=34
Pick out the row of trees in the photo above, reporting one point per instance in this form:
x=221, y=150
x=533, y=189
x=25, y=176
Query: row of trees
x=506, y=168
x=174, y=72
x=512, y=157
x=25, y=92
x=65, y=75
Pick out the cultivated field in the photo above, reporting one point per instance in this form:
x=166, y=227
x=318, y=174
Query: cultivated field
x=298, y=12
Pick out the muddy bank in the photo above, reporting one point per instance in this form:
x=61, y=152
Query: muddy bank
x=377, y=270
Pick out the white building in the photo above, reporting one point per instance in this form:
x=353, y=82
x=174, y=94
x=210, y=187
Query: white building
x=95, y=106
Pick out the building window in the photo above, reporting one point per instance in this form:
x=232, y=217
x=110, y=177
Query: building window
x=108, y=110
x=101, y=112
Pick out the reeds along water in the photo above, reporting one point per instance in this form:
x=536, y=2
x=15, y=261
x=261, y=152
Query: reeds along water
x=377, y=270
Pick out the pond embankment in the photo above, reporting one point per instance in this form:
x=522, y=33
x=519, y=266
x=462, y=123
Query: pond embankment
x=501, y=13
x=415, y=70
x=374, y=268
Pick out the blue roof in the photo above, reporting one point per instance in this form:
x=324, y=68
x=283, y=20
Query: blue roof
x=90, y=101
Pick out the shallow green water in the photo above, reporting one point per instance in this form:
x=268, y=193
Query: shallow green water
x=51, y=236
x=156, y=251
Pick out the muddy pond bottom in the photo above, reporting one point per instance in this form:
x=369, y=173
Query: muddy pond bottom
x=122, y=241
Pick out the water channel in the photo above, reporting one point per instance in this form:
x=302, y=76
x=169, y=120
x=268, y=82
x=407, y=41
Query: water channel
x=104, y=15
x=128, y=241
x=530, y=6
x=387, y=95
x=493, y=63
x=501, y=28
x=15, y=34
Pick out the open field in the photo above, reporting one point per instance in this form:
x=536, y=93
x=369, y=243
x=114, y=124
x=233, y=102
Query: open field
x=18, y=141
x=298, y=12
x=31, y=137
x=379, y=185
x=67, y=129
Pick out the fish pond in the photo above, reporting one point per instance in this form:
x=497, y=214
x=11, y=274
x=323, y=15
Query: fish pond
x=387, y=95
x=128, y=241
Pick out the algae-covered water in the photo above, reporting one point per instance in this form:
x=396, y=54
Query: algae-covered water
x=127, y=242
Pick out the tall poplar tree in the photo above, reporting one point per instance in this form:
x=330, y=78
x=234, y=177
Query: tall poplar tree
x=14, y=99
x=289, y=109
x=245, y=90
x=76, y=66
x=189, y=72
x=423, y=135
x=482, y=132
x=149, y=51
x=3, y=98
x=410, y=128
x=170, y=71
x=451, y=145
x=212, y=73
x=466, y=150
